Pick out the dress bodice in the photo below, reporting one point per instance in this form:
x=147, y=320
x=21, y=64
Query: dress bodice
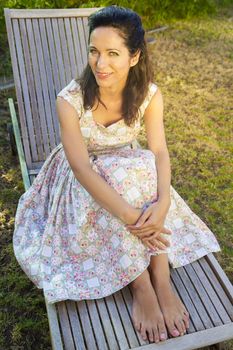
x=98, y=137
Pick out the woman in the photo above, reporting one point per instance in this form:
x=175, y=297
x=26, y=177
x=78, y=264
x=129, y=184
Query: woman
x=101, y=213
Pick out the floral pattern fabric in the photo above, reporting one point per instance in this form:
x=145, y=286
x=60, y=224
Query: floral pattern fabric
x=74, y=249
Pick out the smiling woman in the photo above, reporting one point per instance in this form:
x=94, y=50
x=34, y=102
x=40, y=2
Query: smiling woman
x=101, y=214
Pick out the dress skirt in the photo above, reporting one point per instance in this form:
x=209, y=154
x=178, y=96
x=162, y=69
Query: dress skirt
x=74, y=249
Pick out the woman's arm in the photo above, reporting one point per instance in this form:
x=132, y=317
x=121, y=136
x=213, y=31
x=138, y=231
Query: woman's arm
x=153, y=118
x=151, y=223
x=78, y=158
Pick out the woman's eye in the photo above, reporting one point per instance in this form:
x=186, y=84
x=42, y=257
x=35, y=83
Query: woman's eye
x=93, y=51
x=112, y=53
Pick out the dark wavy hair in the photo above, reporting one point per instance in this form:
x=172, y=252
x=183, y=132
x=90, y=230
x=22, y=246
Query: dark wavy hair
x=129, y=27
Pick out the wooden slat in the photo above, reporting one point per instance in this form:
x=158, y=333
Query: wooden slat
x=53, y=57
x=36, y=59
x=86, y=325
x=125, y=320
x=82, y=40
x=191, y=328
x=119, y=331
x=210, y=310
x=11, y=41
x=217, y=287
x=194, y=340
x=70, y=47
x=26, y=124
x=52, y=13
x=96, y=325
x=59, y=52
x=44, y=102
x=129, y=302
x=228, y=287
x=195, y=298
x=75, y=325
x=22, y=161
x=66, y=60
x=86, y=29
x=211, y=292
x=189, y=302
x=54, y=326
x=107, y=325
x=53, y=129
x=65, y=326
x=77, y=47
x=31, y=89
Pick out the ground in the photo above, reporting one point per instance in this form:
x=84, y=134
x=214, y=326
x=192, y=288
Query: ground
x=193, y=64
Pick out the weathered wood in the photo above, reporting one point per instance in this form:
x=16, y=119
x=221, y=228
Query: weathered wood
x=86, y=325
x=125, y=319
x=195, y=298
x=52, y=13
x=65, y=326
x=40, y=114
x=54, y=326
x=107, y=324
x=209, y=308
x=129, y=301
x=75, y=325
x=11, y=41
x=96, y=325
x=189, y=302
x=219, y=287
x=191, y=328
x=22, y=161
x=50, y=108
x=70, y=47
x=118, y=328
x=82, y=40
x=211, y=292
x=25, y=34
x=194, y=340
x=228, y=287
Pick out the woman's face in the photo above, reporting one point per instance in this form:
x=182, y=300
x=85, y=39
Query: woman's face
x=109, y=58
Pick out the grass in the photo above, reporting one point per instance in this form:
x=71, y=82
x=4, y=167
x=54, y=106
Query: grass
x=193, y=64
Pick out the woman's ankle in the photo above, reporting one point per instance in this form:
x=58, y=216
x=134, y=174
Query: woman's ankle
x=141, y=282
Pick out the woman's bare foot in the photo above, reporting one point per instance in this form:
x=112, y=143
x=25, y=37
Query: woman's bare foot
x=174, y=312
x=146, y=313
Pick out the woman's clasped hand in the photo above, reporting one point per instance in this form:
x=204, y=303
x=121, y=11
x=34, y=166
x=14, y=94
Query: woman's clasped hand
x=150, y=227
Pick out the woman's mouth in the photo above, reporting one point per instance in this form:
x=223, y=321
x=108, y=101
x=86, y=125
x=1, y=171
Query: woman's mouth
x=103, y=75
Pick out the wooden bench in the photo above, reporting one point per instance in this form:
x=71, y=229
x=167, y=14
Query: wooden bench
x=48, y=48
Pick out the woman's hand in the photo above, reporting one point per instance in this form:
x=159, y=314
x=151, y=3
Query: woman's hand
x=150, y=226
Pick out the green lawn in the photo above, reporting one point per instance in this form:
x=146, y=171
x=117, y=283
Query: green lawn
x=193, y=63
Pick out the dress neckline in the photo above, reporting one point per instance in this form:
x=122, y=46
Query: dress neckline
x=103, y=126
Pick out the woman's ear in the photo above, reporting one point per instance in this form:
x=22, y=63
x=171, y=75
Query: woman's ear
x=135, y=58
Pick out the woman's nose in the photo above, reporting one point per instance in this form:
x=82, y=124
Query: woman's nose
x=101, y=62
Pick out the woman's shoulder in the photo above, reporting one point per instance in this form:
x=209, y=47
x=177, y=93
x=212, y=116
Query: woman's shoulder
x=72, y=93
x=152, y=88
x=72, y=88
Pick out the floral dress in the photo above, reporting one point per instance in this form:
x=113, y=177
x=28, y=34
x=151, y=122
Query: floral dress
x=74, y=249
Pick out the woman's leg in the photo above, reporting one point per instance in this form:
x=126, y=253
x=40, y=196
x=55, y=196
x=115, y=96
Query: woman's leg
x=146, y=313
x=175, y=315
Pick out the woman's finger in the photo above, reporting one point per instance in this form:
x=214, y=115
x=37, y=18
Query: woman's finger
x=161, y=239
x=146, y=234
x=149, y=244
x=156, y=243
x=166, y=230
x=146, y=228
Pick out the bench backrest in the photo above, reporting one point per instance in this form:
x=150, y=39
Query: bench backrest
x=48, y=49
